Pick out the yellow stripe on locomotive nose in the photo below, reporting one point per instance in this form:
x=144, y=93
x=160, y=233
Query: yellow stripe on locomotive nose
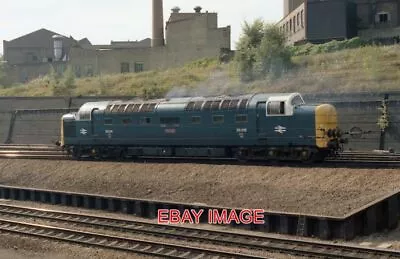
x=325, y=119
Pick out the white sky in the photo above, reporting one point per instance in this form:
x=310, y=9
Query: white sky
x=102, y=21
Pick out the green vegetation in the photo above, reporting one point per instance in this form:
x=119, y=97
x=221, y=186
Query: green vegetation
x=370, y=68
x=62, y=86
x=261, y=52
x=151, y=84
x=329, y=47
x=383, y=121
x=262, y=64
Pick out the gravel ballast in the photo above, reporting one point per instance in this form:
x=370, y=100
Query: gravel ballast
x=322, y=191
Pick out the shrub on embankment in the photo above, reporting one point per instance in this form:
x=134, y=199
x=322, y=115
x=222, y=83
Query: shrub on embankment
x=368, y=68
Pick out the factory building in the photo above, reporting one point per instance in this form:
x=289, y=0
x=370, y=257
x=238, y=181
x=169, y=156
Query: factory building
x=184, y=37
x=319, y=21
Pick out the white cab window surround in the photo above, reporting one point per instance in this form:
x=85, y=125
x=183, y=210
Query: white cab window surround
x=283, y=105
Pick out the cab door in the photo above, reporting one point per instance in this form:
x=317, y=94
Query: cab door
x=261, y=123
x=92, y=122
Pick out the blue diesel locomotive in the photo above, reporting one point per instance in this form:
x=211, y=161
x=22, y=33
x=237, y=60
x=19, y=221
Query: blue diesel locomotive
x=259, y=126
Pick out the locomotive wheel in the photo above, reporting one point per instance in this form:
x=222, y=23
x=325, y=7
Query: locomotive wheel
x=241, y=156
x=122, y=156
x=77, y=153
x=310, y=160
x=98, y=154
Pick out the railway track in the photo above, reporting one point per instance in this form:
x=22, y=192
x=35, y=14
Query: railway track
x=221, y=238
x=364, y=159
x=160, y=249
x=32, y=152
x=377, y=158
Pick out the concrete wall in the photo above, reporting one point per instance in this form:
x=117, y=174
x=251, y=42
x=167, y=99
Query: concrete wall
x=189, y=36
x=341, y=19
x=329, y=20
x=37, y=121
x=369, y=34
x=4, y=125
x=36, y=127
x=364, y=114
x=27, y=72
x=367, y=13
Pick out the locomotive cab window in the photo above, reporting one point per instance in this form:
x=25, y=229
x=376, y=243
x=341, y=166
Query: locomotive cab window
x=276, y=108
x=297, y=100
x=108, y=122
x=85, y=116
x=283, y=105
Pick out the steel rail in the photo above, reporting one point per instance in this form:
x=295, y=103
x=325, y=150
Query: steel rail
x=215, y=237
x=352, y=159
x=136, y=245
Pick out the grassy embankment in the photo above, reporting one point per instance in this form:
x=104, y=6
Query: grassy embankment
x=369, y=68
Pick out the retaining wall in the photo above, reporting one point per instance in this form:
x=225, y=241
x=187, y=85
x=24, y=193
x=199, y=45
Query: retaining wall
x=374, y=217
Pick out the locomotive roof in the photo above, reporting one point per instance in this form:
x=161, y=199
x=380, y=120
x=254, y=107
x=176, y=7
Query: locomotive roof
x=185, y=104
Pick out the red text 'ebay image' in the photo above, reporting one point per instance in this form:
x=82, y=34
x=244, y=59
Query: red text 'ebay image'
x=214, y=217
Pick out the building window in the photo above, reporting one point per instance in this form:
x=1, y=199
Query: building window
x=291, y=26
x=302, y=18
x=77, y=71
x=139, y=67
x=382, y=17
x=287, y=26
x=298, y=19
x=294, y=24
x=124, y=67
x=218, y=119
x=89, y=70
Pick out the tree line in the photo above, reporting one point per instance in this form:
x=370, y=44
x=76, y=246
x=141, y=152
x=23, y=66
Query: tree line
x=261, y=51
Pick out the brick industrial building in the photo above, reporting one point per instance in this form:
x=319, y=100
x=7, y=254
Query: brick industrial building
x=323, y=20
x=185, y=37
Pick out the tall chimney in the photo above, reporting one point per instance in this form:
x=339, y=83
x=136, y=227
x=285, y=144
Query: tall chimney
x=158, y=24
